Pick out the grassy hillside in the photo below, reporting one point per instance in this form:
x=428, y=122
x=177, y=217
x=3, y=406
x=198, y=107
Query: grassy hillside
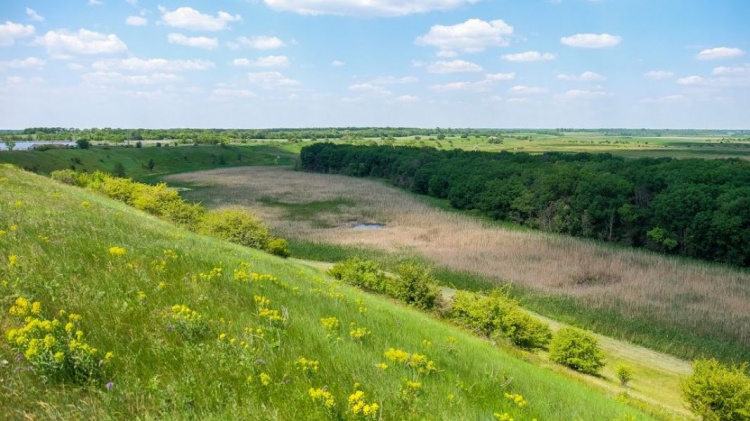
x=244, y=349
x=167, y=160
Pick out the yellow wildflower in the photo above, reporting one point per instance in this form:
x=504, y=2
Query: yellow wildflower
x=265, y=379
x=2, y=233
x=12, y=260
x=117, y=251
x=307, y=366
x=324, y=396
x=13, y=228
x=383, y=366
x=59, y=356
x=86, y=204
x=517, y=399
x=502, y=417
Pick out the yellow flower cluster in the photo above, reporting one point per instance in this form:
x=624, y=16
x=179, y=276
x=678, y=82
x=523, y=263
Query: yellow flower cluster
x=362, y=408
x=12, y=260
x=382, y=366
x=410, y=390
x=416, y=361
x=307, y=366
x=265, y=379
x=517, y=399
x=330, y=323
x=323, y=396
x=265, y=312
x=216, y=273
x=86, y=204
x=358, y=333
x=170, y=254
x=53, y=349
x=502, y=417
x=117, y=251
x=184, y=313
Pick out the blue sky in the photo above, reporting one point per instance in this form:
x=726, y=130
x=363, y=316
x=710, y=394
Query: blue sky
x=417, y=63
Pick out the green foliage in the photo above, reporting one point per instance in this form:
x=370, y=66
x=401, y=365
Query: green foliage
x=624, y=374
x=362, y=273
x=525, y=331
x=415, y=286
x=83, y=143
x=578, y=350
x=237, y=226
x=119, y=170
x=278, y=247
x=717, y=392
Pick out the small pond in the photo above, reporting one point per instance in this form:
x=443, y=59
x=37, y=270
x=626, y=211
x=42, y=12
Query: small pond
x=25, y=146
x=368, y=226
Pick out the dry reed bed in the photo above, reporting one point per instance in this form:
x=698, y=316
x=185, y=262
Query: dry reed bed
x=703, y=297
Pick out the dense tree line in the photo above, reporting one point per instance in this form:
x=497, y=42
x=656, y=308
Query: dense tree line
x=697, y=208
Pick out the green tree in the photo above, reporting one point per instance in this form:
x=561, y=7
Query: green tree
x=578, y=350
x=151, y=164
x=83, y=143
x=119, y=170
x=718, y=393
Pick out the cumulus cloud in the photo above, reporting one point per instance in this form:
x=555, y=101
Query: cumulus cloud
x=690, y=80
x=583, y=77
x=109, y=78
x=364, y=7
x=26, y=63
x=591, y=40
x=33, y=15
x=136, y=21
x=527, y=90
x=587, y=94
x=406, y=99
x=338, y=63
x=10, y=32
x=393, y=80
x=261, y=42
x=370, y=90
x=658, y=74
x=64, y=44
x=196, y=42
x=268, y=61
x=501, y=76
x=455, y=66
x=472, y=36
x=475, y=86
x=720, y=53
x=135, y=64
x=189, y=18
x=668, y=99
x=227, y=94
x=732, y=71
x=529, y=56
x=270, y=80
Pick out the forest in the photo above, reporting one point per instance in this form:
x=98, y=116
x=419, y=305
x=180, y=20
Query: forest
x=690, y=207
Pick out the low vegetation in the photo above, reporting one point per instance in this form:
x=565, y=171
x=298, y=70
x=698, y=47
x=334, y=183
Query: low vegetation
x=578, y=350
x=716, y=392
x=185, y=326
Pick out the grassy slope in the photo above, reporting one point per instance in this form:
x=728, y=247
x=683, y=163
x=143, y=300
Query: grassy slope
x=167, y=160
x=156, y=373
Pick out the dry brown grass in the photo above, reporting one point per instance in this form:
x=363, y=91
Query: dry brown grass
x=706, y=298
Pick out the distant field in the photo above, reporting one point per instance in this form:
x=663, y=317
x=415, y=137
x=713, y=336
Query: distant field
x=674, y=305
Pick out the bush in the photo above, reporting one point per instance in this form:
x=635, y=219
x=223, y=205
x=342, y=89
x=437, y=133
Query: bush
x=481, y=313
x=624, y=373
x=578, y=350
x=716, y=392
x=362, y=273
x=237, y=226
x=525, y=331
x=414, y=286
x=83, y=143
x=279, y=247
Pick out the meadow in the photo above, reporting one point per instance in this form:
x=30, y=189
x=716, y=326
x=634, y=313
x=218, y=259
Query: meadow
x=675, y=305
x=164, y=323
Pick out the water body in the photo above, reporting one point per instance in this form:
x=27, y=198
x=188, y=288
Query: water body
x=361, y=226
x=25, y=146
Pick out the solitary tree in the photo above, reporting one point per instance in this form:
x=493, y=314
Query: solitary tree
x=151, y=164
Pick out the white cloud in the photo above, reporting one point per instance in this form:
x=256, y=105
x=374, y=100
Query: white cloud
x=270, y=80
x=669, y=99
x=135, y=64
x=108, y=78
x=261, y=42
x=226, y=94
x=478, y=86
x=591, y=40
x=527, y=90
x=189, y=18
x=268, y=61
x=455, y=66
x=658, y=74
x=587, y=94
x=529, y=56
x=338, y=63
x=690, y=80
x=364, y=7
x=583, y=77
x=720, y=53
x=136, y=21
x=75, y=67
x=407, y=99
x=472, y=36
x=197, y=42
x=393, y=80
x=501, y=76
x=370, y=90
x=10, y=32
x=732, y=71
x=95, y=3
x=33, y=15
x=64, y=44
x=27, y=63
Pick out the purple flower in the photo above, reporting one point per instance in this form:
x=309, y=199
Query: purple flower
x=110, y=385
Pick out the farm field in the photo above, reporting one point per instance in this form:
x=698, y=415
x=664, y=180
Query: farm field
x=678, y=306
x=181, y=326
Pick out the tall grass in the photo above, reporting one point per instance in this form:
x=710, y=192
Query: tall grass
x=123, y=271
x=675, y=305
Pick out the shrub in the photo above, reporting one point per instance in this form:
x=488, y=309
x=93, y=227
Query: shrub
x=237, y=226
x=414, y=286
x=83, y=143
x=624, y=373
x=578, y=350
x=717, y=392
x=481, y=313
x=278, y=247
x=362, y=273
x=524, y=330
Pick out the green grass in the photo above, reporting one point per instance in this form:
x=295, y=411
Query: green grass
x=62, y=244
x=167, y=160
